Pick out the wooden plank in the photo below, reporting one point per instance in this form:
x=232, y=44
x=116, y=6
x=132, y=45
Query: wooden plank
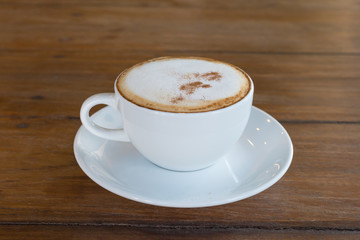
x=290, y=87
x=303, y=57
x=271, y=26
x=69, y=51
x=38, y=172
x=106, y=232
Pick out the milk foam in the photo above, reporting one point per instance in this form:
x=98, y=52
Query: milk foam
x=183, y=84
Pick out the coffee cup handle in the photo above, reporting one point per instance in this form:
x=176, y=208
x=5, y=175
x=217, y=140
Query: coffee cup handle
x=111, y=134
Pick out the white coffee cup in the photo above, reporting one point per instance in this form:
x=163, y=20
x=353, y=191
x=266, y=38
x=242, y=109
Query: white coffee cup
x=175, y=141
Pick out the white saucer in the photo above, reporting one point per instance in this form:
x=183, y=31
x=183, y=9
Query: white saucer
x=259, y=159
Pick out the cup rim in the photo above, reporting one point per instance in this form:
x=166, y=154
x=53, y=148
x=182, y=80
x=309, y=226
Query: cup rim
x=248, y=94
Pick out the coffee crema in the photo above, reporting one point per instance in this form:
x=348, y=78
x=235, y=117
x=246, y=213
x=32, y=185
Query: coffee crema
x=183, y=84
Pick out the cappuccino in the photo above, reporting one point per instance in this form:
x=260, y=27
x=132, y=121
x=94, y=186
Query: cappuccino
x=183, y=84
x=182, y=114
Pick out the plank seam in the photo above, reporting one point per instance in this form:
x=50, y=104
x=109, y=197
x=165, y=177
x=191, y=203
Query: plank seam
x=184, y=227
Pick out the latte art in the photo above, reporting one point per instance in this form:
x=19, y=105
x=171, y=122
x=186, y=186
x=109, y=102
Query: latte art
x=183, y=84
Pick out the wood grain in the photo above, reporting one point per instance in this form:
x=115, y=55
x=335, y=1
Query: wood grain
x=69, y=51
x=305, y=88
x=304, y=59
x=123, y=232
x=271, y=26
x=321, y=188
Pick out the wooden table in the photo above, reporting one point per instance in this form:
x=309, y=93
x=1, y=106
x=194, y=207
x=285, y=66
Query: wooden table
x=304, y=58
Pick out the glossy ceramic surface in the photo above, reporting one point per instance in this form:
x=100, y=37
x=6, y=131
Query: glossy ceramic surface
x=175, y=141
x=258, y=160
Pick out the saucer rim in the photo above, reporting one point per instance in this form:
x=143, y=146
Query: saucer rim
x=181, y=204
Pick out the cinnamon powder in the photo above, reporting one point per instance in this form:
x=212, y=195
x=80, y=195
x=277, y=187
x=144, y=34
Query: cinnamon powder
x=177, y=99
x=211, y=76
x=196, y=82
